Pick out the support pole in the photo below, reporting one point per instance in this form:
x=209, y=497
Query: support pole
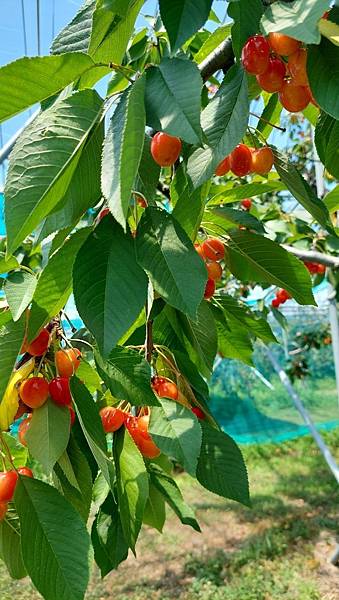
x=325, y=451
x=333, y=317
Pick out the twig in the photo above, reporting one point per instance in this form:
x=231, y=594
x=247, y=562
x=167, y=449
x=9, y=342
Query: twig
x=221, y=58
x=283, y=129
x=314, y=256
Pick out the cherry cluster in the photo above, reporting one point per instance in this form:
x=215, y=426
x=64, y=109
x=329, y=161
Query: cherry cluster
x=244, y=160
x=281, y=297
x=279, y=63
x=34, y=391
x=315, y=268
x=212, y=251
x=8, y=481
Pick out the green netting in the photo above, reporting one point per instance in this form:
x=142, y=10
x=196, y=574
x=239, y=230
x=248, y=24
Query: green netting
x=253, y=412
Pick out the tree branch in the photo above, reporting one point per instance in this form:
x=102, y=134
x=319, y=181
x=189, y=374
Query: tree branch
x=221, y=58
x=314, y=256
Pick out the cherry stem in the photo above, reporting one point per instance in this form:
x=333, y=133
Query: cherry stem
x=283, y=129
x=73, y=328
x=7, y=451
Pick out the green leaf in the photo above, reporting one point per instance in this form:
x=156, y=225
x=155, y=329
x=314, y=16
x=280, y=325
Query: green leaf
x=254, y=257
x=155, y=511
x=202, y=337
x=173, y=99
x=102, y=275
x=75, y=37
x=182, y=18
x=245, y=319
x=48, y=434
x=233, y=342
x=84, y=190
x=298, y=19
x=189, y=208
x=132, y=485
x=302, y=191
x=223, y=195
x=18, y=452
x=246, y=16
x=88, y=374
x=168, y=256
x=332, y=200
x=34, y=184
x=58, y=561
x=10, y=547
x=7, y=264
x=123, y=149
x=128, y=376
x=221, y=467
x=326, y=140
x=148, y=173
x=176, y=431
x=90, y=422
x=323, y=73
x=214, y=39
x=75, y=478
x=55, y=283
x=172, y=495
x=110, y=547
x=37, y=78
x=236, y=217
x=19, y=290
x=11, y=338
x=224, y=121
x=270, y=115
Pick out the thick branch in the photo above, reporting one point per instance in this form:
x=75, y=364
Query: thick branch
x=221, y=58
x=314, y=256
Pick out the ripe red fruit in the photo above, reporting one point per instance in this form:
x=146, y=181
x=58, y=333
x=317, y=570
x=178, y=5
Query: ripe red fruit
x=213, y=249
x=198, y=412
x=283, y=295
x=39, y=345
x=164, y=388
x=199, y=250
x=132, y=427
x=275, y=303
x=112, y=418
x=25, y=471
x=141, y=201
x=34, y=391
x=321, y=269
x=241, y=160
x=67, y=361
x=255, y=55
x=102, y=214
x=8, y=482
x=262, y=160
x=214, y=270
x=22, y=430
x=297, y=67
x=246, y=203
x=223, y=167
x=72, y=414
x=148, y=448
x=273, y=78
x=165, y=149
x=209, y=289
x=294, y=97
x=282, y=44
x=59, y=391
x=3, y=510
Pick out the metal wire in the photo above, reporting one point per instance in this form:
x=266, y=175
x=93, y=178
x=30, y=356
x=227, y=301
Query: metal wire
x=38, y=25
x=23, y=17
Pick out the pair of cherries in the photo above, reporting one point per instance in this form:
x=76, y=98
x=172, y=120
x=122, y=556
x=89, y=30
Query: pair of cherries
x=212, y=251
x=244, y=160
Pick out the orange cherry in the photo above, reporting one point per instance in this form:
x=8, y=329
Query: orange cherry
x=34, y=391
x=22, y=430
x=213, y=249
x=67, y=361
x=199, y=250
x=164, y=388
x=223, y=167
x=262, y=160
x=165, y=149
x=273, y=78
x=241, y=160
x=282, y=44
x=294, y=97
x=148, y=448
x=112, y=418
x=39, y=345
x=209, y=289
x=214, y=270
x=297, y=67
x=3, y=510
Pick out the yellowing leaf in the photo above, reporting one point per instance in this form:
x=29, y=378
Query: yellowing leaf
x=329, y=30
x=10, y=401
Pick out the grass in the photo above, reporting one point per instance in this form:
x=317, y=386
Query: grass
x=278, y=550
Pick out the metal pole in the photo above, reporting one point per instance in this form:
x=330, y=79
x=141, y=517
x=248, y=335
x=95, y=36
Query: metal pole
x=325, y=451
x=333, y=316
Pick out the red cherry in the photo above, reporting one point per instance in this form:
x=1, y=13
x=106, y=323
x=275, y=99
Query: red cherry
x=255, y=55
x=321, y=269
x=246, y=203
x=209, y=289
x=112, y=418
x=39, y=345
x=8, y=482
x=275, y=303
x=22, y=430
x=199, y=250
x=283, y=295
x=294, y=97
x=59, y=391
x=72, y=414
x=223, y=167
x=34, y=391
x=148, y=448
x=164, y=388
x=141, y=201
x=213, y=249
x=282, y=44
x=297, y=67
x=262, y=160
x=214, y=270
x=241, y=160
x=102, y=214
x=165, y=149
x=67, y=361
x=25, y=471
x=198, y=412
x=273, y=78
x=132, y=427
x=143, y=423
x=3, y=510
